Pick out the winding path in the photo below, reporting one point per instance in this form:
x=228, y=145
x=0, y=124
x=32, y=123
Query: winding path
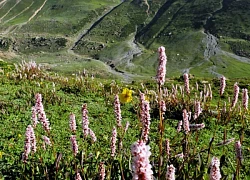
x=10, y=10
x=19, y=13
x=37, y=11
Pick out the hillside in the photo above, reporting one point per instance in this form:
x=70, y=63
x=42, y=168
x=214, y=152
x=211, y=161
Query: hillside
x=204, y=38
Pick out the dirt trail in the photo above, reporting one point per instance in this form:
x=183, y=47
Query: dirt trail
x=19, y=13
x=2, y=2
x=10, y=9
x=2, y=5
x=37, y=11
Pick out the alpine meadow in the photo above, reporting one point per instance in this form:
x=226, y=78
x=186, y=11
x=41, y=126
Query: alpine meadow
x=124, y=89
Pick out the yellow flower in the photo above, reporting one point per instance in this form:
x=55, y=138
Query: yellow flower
x=126, y=96
x=1, y=154
x=146, y=98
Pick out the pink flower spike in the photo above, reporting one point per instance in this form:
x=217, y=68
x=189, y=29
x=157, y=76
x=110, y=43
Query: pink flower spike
x=245, y=98
x=46, y=140
x=74, y=144
x=27, y=145
x=117, y=107
x=163, y=106
x=113, y=142
x=101, y=171
x=185, y=121
x=34, y=117
x=72, y=122
x=145, y=115
x=222, y=85
x=162, y=66
x=78, y=176
x=170, y=175
x=238, y=151
x=198, y=110
x=215, y=169
x=179, y=126
x=92, y=135
x=85, y=120
x=167, y=148
x=32, y=139
x=141, y=168
x=41, y=113
x=236, y=94
x=186, y=83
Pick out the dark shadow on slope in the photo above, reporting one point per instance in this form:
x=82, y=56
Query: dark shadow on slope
x=209, y=26
x=159, y=14
x=95, y=24
x=151, y=39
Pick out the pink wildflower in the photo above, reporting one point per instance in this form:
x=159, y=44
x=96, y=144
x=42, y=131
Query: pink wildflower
x=185, y=121
x=117, y=111
x=236, y=94
x=222, y=85
x=170, y=175
x=179, y=126
x=180, y=156
x=101, y=171
x=140, y=161
x=162, y=66
x=92, y=135
x=238, y=151
x=41, y=113
x=198, y=110
x=113, y=142
x=245, y=98
x=32, y=139
x=46, y=141
x=74, y=145
x=27, y=145
x=85, y=120
x=34, y=117
x=78, y=176
x=215, y=169
x=186, y=82
x=72, y=122
x=163, y=106
x=145, y=121
x=167, y=148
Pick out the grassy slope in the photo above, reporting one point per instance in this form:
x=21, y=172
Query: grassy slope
x=177, y=25
x=17, y=98
x=67, y=17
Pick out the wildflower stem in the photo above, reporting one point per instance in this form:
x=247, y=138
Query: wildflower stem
x=161, y=130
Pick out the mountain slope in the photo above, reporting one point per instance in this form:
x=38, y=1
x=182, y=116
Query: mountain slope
x=202, y=37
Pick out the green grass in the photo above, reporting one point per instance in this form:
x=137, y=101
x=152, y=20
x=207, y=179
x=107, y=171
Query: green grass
x=17, y=98
x=177, y=25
